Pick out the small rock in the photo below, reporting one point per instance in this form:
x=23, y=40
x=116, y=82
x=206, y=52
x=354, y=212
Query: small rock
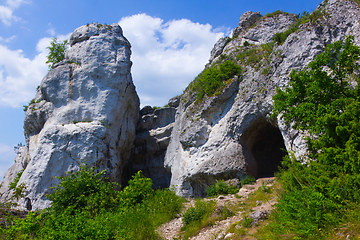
x=228, y=236
x=259, y=215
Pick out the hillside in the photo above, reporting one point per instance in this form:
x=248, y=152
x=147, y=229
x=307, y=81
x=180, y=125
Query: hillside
x=281, y=93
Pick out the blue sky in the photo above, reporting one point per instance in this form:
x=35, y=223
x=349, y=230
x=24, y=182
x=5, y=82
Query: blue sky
x=171, y=41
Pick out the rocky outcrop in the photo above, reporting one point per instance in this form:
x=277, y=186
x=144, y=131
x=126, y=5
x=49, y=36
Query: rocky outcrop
x=85, y=109
x=253, y=29
x=232, y=134
x=152, y=139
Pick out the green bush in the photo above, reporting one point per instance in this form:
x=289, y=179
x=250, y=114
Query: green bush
x=196, y=213
x=85, y=206
x=213, y=79
x=248, y=180
x=280, y=38
x=56, y=52
x=276, y=13
x=323, y=99
x=85, y=188
x=221, y=187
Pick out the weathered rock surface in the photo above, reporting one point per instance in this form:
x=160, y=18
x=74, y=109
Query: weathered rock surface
x=253, y=29
x=85, y=109
x=152, y=139
x=232, y=134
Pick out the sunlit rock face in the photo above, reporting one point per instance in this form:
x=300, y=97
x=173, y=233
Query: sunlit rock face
x=85, y=109
x=232, y=134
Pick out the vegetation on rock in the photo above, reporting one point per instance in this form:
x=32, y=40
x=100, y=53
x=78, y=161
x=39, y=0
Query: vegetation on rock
x=56, y=52
x=213, y=79
x=87, y=207
x=280, y=38
x=323, y=100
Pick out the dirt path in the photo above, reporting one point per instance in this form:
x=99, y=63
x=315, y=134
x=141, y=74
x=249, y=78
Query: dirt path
x=171, y=230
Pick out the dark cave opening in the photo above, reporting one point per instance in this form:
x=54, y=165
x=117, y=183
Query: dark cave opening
x=263, y=148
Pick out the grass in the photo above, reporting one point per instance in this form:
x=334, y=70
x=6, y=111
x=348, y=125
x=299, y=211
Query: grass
x=221, y=187
x=255, y=56
x=244, y=228
x=276, y=13
x=212, y=80
x=203, y=214
x=86, y=207
x=305, y=17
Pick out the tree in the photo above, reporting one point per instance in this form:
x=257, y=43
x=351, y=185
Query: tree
x=323, y=99
x=57, y=52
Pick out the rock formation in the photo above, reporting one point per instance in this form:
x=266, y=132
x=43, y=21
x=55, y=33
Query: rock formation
x=85, y=109
x=152, y=139
x=232, y=134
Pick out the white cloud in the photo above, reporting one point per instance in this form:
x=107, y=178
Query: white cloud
x=7, y=156
x=166, y=56
x=19, y=75
x=6, y=11
x=7, y=40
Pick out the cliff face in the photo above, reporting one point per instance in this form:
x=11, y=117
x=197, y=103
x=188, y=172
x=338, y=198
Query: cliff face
x=231, y=134
x=85, y=109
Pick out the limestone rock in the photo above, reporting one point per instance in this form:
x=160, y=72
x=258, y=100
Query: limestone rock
x=259, y=215
x=218, y=47
x=85, y=109
x=231, y=134
x=253, y=29
x=246, y=21
x=152, y=139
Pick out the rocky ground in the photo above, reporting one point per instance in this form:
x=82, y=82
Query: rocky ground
x=220, y=230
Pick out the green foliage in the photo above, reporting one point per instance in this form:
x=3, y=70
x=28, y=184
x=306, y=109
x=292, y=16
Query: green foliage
x=254, y=55
x=196, y=213
x=221, y=187
x=83, y=189
x=57, y=52
x=13, y=184
x=247, y=222
x=87, y=207
x=276, y=13
x=197, y=217
x=248, y=180
x=25, y=107
x=213, y=79
x=280, y=38
x=137, y=191
x=323, y=100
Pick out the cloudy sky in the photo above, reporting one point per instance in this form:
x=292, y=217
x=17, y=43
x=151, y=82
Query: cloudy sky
x=171, y=41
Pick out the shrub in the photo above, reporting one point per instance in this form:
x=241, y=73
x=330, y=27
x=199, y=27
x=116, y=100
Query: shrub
x=87, y=207
x=85, y=188
x=212, y=79
x=56, y=53
x=221, y=187
x=280, y=38
x=248, y=180
x=323, y=99
x=196, y=213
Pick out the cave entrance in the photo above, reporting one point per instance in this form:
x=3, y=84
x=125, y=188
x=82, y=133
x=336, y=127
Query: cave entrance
x=263, y=148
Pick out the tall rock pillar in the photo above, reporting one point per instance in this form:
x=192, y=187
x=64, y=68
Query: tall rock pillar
x=85, y=109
